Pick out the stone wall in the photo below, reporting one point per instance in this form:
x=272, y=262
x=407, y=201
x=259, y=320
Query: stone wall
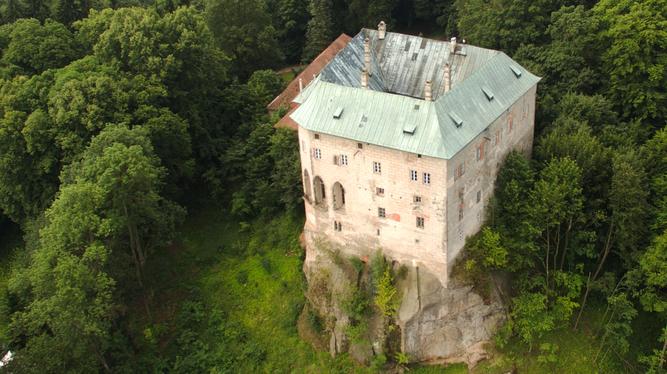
x=361, y=230
x=480, y=175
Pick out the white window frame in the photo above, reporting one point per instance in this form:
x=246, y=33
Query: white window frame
x=420, y=222
x=414, y=176
x=377, y=167
x=343, y=160
x=426, y=178
x=317, y=153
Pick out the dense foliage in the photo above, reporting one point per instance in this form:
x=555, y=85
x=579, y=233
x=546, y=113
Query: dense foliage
x=116, y=115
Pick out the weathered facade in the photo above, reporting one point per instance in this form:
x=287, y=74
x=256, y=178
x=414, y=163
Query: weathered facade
x=401, y=138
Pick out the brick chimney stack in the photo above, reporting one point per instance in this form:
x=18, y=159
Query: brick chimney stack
x=452, y=45
x=428, y=91
x=367, y=56
x=448, y=77
x=382, y=29
x=364, y=79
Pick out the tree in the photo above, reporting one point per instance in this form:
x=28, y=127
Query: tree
x=245, y=33
x=636, y=60
x=320, y=28
x=34, y=48
x=122, y=162
x=66, y=322
x=68, y=11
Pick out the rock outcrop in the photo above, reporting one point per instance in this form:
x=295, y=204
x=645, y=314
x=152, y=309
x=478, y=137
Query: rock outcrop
x=437, y=324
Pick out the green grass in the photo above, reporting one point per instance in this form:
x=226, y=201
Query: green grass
x=249, y=279
x=576, y=352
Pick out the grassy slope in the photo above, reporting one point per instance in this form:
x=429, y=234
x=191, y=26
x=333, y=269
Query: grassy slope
x=252, y=276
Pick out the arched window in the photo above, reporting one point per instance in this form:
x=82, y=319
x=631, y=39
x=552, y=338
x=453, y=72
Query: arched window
x=320, y=195
x=306, y=184
x=338, y=196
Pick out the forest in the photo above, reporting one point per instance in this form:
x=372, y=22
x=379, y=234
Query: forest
x=145, y=195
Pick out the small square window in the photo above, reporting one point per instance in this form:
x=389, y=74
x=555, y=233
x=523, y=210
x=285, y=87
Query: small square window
x=427, y=178
x=381, y=213
x=379, y=191
x=360, y=146
x=420, y=222
x=377, y=167
x=419, y=156
x=317, y=136
x=416, y=199
x=479, y=196
x=413, y=175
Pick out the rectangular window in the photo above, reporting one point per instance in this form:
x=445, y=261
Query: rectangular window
x=317, y=136
x=480, y=152
x=427, y=178
x=416, y=199
x=343, y=160
x=413, y=175
x=377, y=168
x=317, y=153
x=379, y=191
x=460, y=170
x=420, y=222
x=510, y=122
x=479, y=196
x=381, y=213
x=360, y=146
x=460, y=211
x=338, y=226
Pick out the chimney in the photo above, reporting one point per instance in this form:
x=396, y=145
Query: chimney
x=367, y=56
x=448, y=77
x=364, y=78
x=428, y=93
x=300, y=85
x=382, y=29
x=452, y=45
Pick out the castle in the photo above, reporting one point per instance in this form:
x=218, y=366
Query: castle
x=401, y=138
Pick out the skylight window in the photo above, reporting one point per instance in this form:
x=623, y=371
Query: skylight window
x=338, y=112
x=409, y=128
x=456, y=119
x=407, y=46
x=516, y=71
x=487, y=93
x=414, y=56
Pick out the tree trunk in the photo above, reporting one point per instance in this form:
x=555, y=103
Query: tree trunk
x=567, y=240
x=597, y=273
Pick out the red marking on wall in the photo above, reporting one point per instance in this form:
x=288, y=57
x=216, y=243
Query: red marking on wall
x=395, y=216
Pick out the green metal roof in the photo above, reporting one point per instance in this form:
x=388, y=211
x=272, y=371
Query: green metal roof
x=438, y=128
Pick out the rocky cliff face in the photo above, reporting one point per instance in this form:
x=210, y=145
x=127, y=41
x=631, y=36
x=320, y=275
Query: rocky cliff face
x=433, y=323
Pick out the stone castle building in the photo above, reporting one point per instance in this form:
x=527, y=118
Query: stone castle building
x=401, y=138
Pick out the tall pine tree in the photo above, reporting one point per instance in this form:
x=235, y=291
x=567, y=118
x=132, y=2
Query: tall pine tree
x=320, y=28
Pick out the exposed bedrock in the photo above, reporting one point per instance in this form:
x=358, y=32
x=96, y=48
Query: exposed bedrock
x=437, y=324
